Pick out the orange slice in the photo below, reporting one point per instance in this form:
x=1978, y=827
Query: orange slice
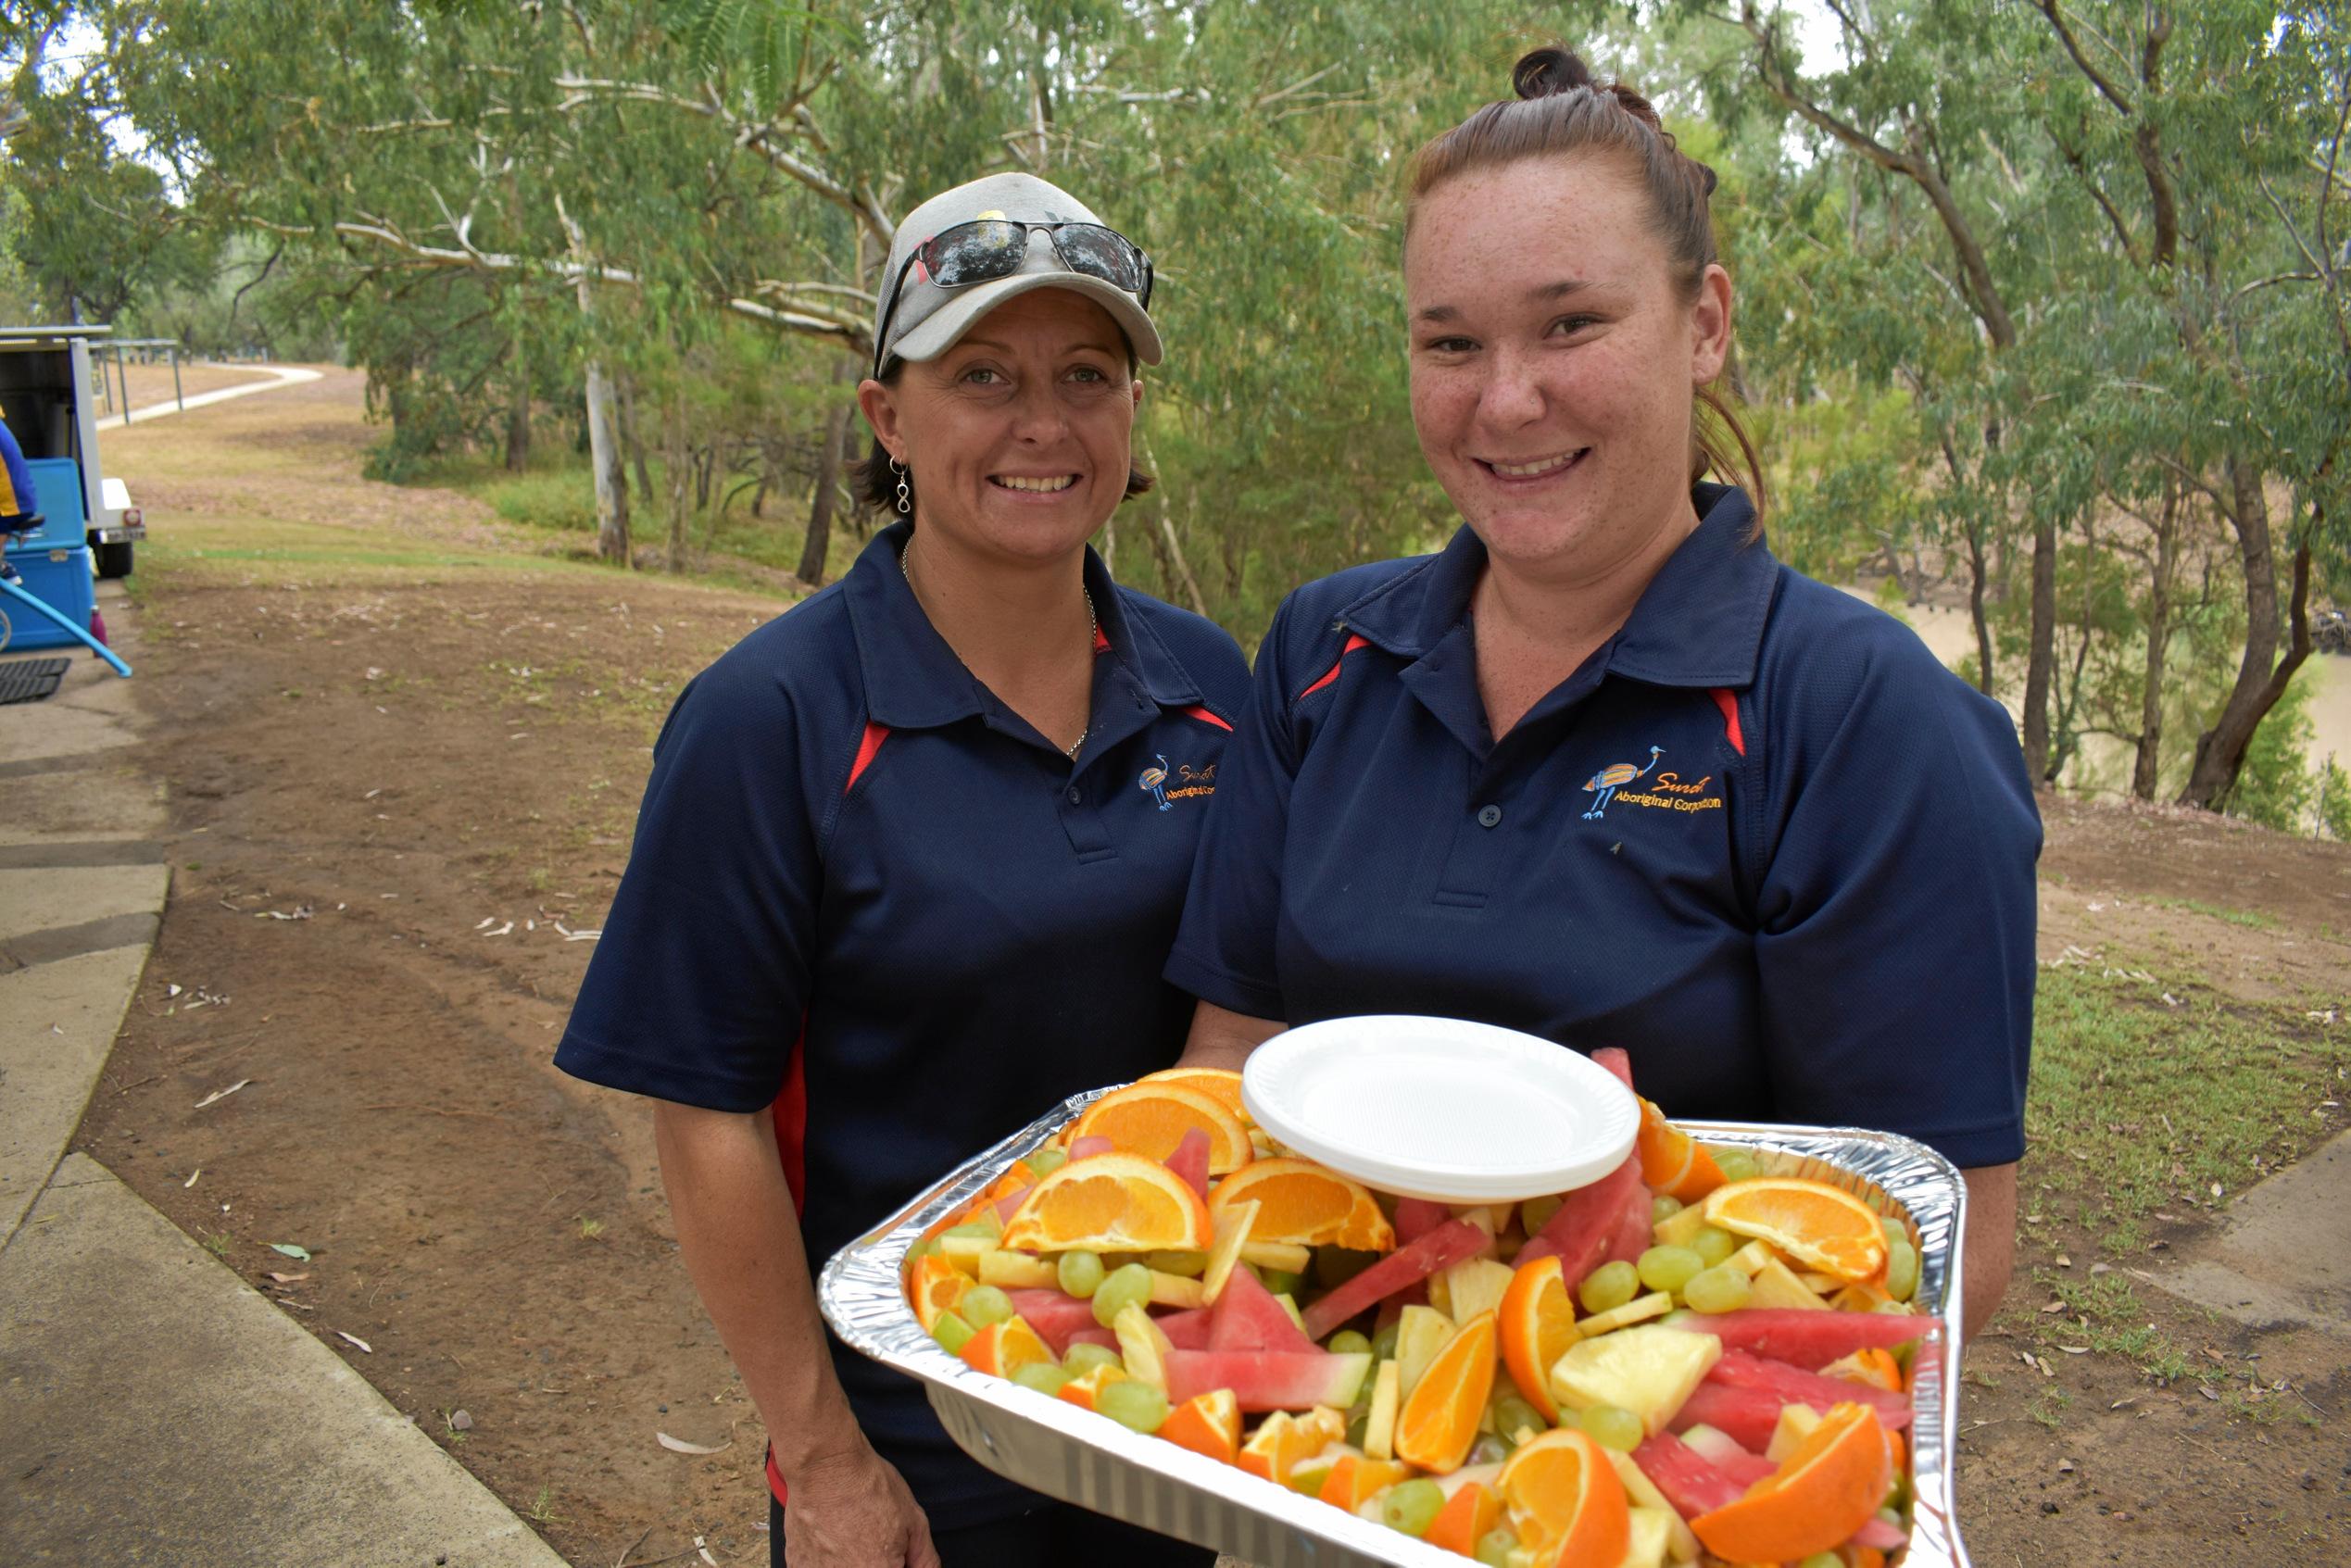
x=1220, y=1084
x=1566, y=1503
x=1111, y=1203
x=1086, y=1392
x=1005, y=1348
x=1810, y=1221
x=1353, y=1481
x=1825, y=1491
x=1538, y=1324
x=1151, y=1119
x=1283, y=1441
x=1672, y=1162
x=934, y=1285
x=1206, y=1423
x=1465, y=1519
x=1438, y=1421
x=1306, y=1205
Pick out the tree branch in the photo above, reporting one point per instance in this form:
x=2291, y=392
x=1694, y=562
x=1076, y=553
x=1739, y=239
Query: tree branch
x=2107, y=89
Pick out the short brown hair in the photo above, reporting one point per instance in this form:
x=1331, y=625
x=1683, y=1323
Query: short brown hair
x=875, y=485
x=1560, y=111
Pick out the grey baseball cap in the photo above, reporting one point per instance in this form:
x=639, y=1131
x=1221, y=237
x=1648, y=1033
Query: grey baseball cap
x=929, y=319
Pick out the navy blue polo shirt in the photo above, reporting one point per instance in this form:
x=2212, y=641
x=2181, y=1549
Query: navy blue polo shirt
x=865, y=892
x=1761, y=839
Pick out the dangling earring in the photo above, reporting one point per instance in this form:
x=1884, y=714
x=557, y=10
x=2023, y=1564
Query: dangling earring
x=905, y=499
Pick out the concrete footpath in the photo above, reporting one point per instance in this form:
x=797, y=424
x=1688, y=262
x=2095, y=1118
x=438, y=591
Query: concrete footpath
x=154, y=1408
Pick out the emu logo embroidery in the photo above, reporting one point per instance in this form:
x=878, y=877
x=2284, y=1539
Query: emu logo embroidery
x=1614, y=777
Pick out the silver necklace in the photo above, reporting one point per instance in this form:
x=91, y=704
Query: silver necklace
x=1093, y=639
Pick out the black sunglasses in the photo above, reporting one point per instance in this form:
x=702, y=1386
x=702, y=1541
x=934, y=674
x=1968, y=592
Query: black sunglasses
x=989, y=248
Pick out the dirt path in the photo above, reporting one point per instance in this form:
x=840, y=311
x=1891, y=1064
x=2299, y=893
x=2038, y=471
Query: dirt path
x=403, y=755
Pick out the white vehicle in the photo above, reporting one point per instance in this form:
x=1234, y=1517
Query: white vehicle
x=46, y=398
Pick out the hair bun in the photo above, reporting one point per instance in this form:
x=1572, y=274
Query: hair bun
x=1540, y=73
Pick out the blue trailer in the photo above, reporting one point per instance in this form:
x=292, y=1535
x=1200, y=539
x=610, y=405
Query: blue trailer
x=88, y=525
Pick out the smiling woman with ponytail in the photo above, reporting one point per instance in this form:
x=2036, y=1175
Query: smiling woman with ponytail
x=1602, y=769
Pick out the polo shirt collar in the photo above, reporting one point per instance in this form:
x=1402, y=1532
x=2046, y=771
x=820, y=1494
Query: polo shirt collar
x=913, y=679
x=1698, y=623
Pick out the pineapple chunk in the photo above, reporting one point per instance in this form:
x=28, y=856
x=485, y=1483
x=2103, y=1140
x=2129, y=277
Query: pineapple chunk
x=1649, y=1369
x=1289, y=1257
x=1796, y=1423
x=1174, y=1290
x=1776, y=1285
x=1640, y=1309
x=1475, y=1285
x=1821, y=1285
x=1420, y=1334
x=1680, y=1544
x=1750, y=1260
x=965, y=1251
x=1379, y=1427
x=1680, y=1228
x=1232, y=1236
x=1017, y=1271
x=1650, y=1533
x=1143, y=1345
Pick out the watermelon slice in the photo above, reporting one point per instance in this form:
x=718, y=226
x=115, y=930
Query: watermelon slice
x=1718, y=1450
x=1879, y=1536
x=1581, y=1231
x=1190, y=1160
x=1809, y=1340
x=1187, y=1330
x=1694, y=1484
x=1415, y=1217
x=1441, y=1249
x=1009, y=1202
x=1089, y=1146
x=1615, y=1059
x=1094, y=1336
x=1246, y=1317
x=1057, y=1318
x=1268, y=1380
x=1791, y=1385
x=1636, y=1232
x=1747, y=1415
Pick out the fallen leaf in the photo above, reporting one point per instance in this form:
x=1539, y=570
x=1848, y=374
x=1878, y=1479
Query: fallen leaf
x=501, y=930
x=2053, y=1307
x=582, y=935
x=680, y=1446
x=222, y=1094
x=287, y=1279
x=2075, y=1349
x=2065, y=1467
x=2064, y=1262
x=191, y=1178
x=356, y=1340
x=2216, y=1189
x=2120, y=1404
x=461, y=1421
x=299, y=1254
x=487, y=921
x=172, y=991
x=2206, y=1390
x=2102, y=1268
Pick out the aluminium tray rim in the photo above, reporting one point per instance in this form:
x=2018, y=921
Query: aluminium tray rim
x=1097, y=1463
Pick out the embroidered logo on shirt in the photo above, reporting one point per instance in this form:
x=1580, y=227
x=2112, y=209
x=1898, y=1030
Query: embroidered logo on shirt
x=1190, y=782
x=1665, y=791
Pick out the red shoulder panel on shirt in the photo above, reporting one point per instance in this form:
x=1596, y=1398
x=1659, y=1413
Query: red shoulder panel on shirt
x=1728, y=700
x=1205, y=717
x=1352, y=643
x=875, y=735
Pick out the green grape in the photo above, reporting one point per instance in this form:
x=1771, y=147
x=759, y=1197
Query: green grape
x=1347, y=1342
x=1083, y=1358
x=1080, y=1273
x=1536, y=1212
x=1611, y=1427
x=1489, y=1449
x=1358, y=1426
x=1736, y=1164
x=1719, y=1289
x=1893, y=1229
x=1513, y=1414
x=1662, y=1207
x=1412, y=1506
x=989, y=1229
x=922, y=1250
x=1280, y=1282
x=1045, y=1161
x=1668, y=1268
x=1188, y=1265
x=1611, y=1284
x=983, y=1305
x=1714, y=1247
x=1902, y=1271
x=1129, y=1285
x=1383, y=1344
x=952, y=1332
x=1333, y=1266
x=1495, y=1545
x=1134, y=1404
x=1308, y=1478
x=1570, y=1419
x=1043, y=1377
x=1822, y=1559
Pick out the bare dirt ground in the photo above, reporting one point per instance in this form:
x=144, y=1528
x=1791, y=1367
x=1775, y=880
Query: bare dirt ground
x=404, y=754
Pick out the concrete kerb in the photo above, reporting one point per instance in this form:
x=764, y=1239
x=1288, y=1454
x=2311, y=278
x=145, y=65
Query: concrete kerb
x=154, y=1409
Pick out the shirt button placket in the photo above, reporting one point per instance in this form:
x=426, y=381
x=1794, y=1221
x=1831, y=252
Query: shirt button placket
x=1489, y=816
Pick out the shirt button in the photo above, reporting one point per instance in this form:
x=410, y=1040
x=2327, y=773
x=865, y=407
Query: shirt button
x=1076, y=796
x=1489, y=816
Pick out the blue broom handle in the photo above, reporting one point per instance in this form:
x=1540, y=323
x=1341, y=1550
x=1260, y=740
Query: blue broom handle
x=17, y=590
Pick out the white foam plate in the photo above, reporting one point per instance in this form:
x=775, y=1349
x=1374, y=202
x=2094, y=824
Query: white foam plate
x=1441, y=1108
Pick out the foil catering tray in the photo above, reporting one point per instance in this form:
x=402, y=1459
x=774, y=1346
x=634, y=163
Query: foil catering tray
x=1078, y=1457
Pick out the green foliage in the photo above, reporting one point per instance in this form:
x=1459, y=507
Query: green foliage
x=2279, y=787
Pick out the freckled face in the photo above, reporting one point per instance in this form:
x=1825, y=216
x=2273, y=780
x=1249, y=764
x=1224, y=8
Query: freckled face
x=1552, y=363
x=1019, y=437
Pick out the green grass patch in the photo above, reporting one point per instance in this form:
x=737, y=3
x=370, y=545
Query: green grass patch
x=2249, y=919
x=2137, y=1105
x=2104, y=1312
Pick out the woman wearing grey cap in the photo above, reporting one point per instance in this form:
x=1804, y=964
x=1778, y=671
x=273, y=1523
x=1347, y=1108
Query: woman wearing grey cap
x=911, y=860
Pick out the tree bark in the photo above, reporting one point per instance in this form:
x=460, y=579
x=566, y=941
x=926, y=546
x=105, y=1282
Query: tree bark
x=673, y=467
x=831, y=458
x=2143, y=766
x=634, y=438
x=2261, y=674
x=2039, y=666
x=1975, y=608
x=518, y=412
x=611, y=495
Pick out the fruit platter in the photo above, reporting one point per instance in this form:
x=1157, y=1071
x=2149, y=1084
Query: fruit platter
x=1735, y=1348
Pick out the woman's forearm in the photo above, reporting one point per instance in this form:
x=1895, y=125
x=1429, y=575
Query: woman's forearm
x=1992, y=1243
x=1221, y=1037
x=741, y=1242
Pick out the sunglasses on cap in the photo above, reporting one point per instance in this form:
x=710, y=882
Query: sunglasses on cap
x=989, y=248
